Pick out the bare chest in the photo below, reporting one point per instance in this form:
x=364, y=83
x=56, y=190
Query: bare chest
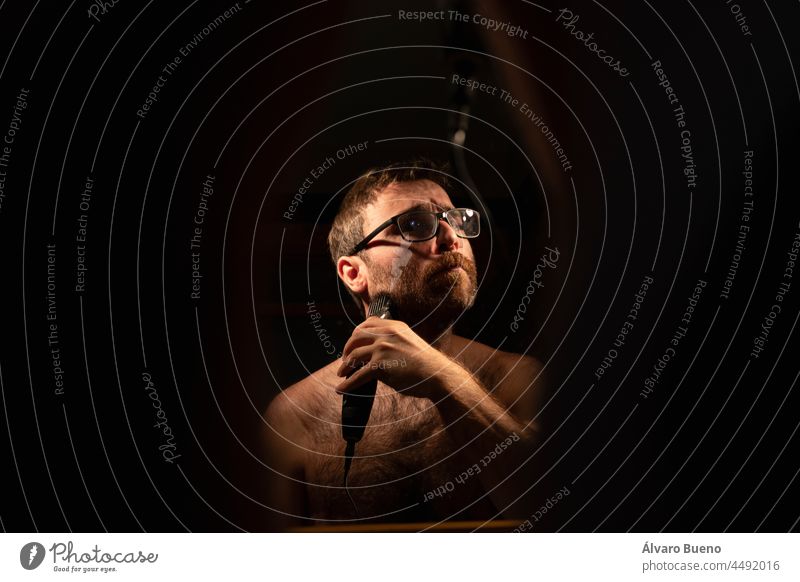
x=405, y=452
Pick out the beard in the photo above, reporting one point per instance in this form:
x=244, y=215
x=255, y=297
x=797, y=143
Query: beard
x=432, y=295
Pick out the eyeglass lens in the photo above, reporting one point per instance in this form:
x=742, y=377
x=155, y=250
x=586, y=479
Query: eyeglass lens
x=418, y=226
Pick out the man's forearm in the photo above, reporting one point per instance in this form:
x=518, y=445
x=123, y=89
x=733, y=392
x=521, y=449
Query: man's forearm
x=469, y=408
x=481, y=426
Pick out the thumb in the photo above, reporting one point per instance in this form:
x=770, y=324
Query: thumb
x=356, y=379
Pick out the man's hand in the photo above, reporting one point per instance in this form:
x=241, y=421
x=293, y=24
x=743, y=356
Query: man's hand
x=391, y=352
x=475, y=418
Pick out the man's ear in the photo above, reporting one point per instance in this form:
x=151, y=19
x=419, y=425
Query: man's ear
x=353, y=273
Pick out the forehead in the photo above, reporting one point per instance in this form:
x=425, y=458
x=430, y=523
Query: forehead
x=399, y=197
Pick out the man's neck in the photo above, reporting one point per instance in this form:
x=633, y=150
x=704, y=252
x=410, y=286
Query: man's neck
x=438, y=338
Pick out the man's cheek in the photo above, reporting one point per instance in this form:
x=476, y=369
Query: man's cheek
x=401, y=259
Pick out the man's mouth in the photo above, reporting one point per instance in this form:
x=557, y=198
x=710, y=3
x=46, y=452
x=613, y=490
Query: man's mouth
x=448, y=269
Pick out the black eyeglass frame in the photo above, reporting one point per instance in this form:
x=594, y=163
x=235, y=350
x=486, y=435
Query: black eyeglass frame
x=393, y=221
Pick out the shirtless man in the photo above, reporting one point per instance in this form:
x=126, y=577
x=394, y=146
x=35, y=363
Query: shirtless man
x=452, y=418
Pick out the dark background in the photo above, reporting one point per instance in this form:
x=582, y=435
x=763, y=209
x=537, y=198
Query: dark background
x=264, y=99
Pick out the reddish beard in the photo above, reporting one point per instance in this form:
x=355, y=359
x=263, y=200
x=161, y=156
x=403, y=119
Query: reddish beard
x=441, y=290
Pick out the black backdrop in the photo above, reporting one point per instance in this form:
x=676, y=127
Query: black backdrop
x=262, y=95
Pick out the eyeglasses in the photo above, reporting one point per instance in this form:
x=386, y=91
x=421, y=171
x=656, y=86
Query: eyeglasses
x=418, y=226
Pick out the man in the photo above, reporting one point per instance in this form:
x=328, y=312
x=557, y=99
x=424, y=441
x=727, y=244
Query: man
x=451, y=430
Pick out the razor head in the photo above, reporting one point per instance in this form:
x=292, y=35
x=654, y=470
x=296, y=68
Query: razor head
x=380, y=306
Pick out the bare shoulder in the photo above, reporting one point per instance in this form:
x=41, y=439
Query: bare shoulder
x=515, y=379
x=305, y=400
x=293, y=420
x=290, y=428
x=498, y=364
x=519, y=366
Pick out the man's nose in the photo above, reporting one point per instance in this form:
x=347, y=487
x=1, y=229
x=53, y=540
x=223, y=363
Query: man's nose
x=446, y=239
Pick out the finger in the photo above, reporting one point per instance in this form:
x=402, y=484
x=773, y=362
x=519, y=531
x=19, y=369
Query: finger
x=362, y=337
x=358, y=358
x=359, y=378
x=374, y=321
x=375, y=329
x=359, y=338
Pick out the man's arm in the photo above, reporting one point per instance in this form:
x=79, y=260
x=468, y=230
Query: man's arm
x=284, y=473
x=496, y=429
x=480, y=424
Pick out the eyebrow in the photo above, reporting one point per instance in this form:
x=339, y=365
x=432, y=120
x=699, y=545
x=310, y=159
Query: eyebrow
x=427, y=207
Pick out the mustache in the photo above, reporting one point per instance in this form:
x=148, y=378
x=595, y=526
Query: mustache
x=451, y=260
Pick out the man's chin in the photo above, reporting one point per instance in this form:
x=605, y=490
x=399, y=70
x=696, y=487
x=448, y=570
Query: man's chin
x=439, y=296
x=451, y=286
x=445, y=303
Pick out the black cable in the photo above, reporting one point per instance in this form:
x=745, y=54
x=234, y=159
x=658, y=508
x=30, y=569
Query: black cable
x=357, y=404
x=349, y=453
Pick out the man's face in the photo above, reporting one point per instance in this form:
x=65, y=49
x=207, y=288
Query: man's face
x=436, y=277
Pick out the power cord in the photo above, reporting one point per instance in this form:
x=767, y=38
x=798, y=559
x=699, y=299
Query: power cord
x=349, y=453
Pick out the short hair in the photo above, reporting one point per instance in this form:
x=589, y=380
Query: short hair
x=347, y=229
